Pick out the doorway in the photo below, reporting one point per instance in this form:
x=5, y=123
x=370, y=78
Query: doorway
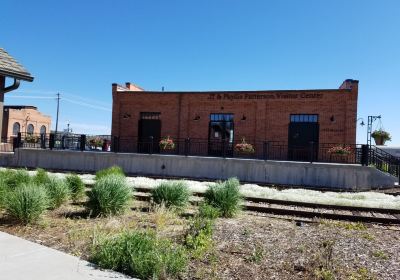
x=220, y=135
x=149, y=132
x=303, y=130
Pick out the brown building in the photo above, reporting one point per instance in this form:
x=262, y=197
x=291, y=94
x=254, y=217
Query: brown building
x=291, y=117
x=9, y=69
x=24, y=119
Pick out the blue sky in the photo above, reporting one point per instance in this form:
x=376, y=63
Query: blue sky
x=79, y=48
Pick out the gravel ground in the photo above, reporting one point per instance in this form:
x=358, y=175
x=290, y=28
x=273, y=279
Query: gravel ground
x=262, y=247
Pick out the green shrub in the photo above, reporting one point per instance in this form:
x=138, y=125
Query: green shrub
x=225, y=196
x=15, y=178
x=171, y=194
x=208, y=211
x=110, y=195
x=41, y=177
x=27, y=202
x=76, y=187
x=113, y=170
x=3, y=193
x=140, y=254
x=57, y=192
x=199, y=236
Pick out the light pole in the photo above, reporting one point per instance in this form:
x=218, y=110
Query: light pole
x=371, y=119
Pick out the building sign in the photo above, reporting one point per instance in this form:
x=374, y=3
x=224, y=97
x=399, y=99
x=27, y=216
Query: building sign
x=264, y=96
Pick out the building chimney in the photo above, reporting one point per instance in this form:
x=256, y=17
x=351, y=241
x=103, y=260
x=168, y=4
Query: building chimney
x=133, y=87
x=350, y=84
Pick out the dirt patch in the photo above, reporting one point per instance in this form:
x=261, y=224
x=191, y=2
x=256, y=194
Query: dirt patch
x=251, y=246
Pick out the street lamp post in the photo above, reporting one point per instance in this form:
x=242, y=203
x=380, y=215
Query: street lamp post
x=371, y=119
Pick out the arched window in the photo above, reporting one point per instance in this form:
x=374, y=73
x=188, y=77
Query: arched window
x=43, y=129
x=30, y=129
x=16, y=128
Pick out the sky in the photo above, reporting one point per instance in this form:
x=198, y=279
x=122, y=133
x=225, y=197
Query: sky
x=79, y=48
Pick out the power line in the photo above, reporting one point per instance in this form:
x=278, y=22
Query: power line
x=87, y=105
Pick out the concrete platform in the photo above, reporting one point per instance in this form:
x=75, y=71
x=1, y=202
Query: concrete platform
x=24, y=260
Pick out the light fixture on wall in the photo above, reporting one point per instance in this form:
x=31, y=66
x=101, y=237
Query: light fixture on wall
x=126, y=116
x=196, y=118
x=332, y=118
x=362, y=123
x=243, y=118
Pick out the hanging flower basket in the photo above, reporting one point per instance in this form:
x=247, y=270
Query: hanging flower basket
x=31, y=139
x=95, y=142
x=167, y=144
x=380, y=136
x=340, y=150
x=340, y=154
x=244, y=147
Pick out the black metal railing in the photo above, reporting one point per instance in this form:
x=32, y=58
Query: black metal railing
x=264, y=150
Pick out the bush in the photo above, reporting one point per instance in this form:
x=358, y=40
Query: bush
x=57, y=192
x=41, y=177
x=113, y=170
x=110, y=195
x=225, y=196
x=27, y=202
x=15, y=178
x=140, y=254
x=209, y=212
x=3, y=193
x=76, y=187
x=199, y=236
x=171, y=194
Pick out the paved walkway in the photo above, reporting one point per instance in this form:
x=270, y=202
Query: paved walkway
x=24, y=260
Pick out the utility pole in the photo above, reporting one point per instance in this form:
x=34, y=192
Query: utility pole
x=58, y=108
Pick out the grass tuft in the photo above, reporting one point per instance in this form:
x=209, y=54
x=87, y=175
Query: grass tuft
x=171, y=194
x=225, y=196
x=140, y=254
x=110, y=195
x=113, y=170
x=27, y=203
x=57, y=192
x=15, y=178
x=76, y=187
x=41, y=177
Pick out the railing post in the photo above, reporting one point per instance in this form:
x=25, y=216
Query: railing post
x=51, y=141
x=151, y=144
x=63, y=142
x=265, y=150
x=115, y=144
x=19, y=137
x=82, y=145
x=187, y=146
x=311, y=152
x=364, y=155
x=15, y=143
x=43, y=141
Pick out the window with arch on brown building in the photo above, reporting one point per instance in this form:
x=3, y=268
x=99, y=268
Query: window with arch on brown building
x=30, y=129
x=16, y=128
x=43, y=129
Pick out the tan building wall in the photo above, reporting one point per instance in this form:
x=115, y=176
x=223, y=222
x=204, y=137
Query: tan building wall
x=24, y=116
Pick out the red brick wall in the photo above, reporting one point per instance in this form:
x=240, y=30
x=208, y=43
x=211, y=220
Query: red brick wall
x=267, y=112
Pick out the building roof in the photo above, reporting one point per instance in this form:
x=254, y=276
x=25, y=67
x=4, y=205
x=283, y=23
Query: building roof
x=9, y=67
x=20, y=107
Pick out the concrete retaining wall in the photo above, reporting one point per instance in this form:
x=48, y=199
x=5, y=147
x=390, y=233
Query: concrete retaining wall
x=336, y=176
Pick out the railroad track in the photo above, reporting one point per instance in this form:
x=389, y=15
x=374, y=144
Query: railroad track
x=303, y=209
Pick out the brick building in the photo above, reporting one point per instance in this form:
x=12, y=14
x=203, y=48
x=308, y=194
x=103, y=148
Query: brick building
x=24, y=119
x=291, y=117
